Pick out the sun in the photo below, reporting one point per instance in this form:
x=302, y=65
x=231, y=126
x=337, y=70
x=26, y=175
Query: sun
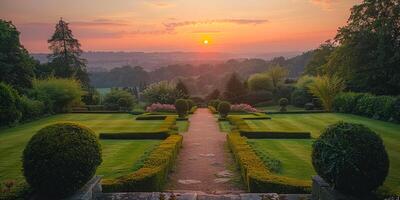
x=205, y=42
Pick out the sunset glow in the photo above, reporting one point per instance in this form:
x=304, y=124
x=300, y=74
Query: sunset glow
x=173, y=25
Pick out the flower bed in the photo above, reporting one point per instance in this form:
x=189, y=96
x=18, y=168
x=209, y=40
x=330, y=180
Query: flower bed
x=158, y=107
x=243, y=108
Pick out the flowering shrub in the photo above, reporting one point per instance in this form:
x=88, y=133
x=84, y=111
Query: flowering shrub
x=159, y=107
x=243, y=108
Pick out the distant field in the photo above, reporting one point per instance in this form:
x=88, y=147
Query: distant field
x=295, y=154
x=118, y=156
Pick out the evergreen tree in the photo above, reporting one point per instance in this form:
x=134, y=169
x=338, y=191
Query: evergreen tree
x=180, y=86
x=234, y=89
x=16, y=65
x=66, y=57
x=213, y=95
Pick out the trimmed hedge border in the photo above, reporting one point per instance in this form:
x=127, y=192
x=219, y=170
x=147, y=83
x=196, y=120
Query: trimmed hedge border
x=255, y=174
x=153, y=175
x=136, y=135
x=255, y=134
x=298, y=112
x=151, y=117
x=212, y=110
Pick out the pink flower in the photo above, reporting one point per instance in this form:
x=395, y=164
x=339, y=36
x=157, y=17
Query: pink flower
x=158, y=107
x=243, y=108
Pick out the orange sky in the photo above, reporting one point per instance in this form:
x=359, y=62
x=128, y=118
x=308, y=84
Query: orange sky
x=237, y=26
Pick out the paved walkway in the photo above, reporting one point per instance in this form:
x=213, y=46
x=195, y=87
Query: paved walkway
x=203, y=162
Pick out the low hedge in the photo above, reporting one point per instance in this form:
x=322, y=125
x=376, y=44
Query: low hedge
x=151, y=117
x=258, y=134
x=368, y=105
x=193, y=109
x=136, y=135
x=153, y=175
x=213, y=110
x=238, y=122
x=255, y=174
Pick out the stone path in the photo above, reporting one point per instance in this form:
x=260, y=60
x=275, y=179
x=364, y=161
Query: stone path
x=202, y=164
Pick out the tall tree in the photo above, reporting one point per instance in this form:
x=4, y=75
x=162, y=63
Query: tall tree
x=180, y=86
x=326, y=88
x=16, y=65
x=66, y=54
x=368, y=56
x=213, y=95
x=277, y=75
x=319, y=59
x=234, y=89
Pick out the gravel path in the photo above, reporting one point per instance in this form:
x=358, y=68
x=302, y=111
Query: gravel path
x=203, y=162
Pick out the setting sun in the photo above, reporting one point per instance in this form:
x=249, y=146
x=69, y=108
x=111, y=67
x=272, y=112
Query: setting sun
x=205, y=42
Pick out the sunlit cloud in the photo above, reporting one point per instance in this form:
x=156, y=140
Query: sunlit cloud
x=324, y=4
x=173, y=25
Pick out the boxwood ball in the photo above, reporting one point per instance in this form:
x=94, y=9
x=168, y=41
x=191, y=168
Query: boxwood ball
x=351, y=158
x=61, y=158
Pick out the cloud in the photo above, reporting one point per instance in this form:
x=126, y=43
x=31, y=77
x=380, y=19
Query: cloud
x=324, y=4
x=173, y=25
x=159, y=3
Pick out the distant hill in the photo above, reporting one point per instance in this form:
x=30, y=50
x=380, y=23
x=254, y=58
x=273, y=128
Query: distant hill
x=105, y=61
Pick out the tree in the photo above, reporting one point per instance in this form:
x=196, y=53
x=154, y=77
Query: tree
x=16, y=65
x=326, y=88
x=277, y=75
x=162, y=92
x=180, y=86
x=319, y=59
x=234, y=89
x=368, y=57
x=215, y=94
x=260, y=81
x=66, y=57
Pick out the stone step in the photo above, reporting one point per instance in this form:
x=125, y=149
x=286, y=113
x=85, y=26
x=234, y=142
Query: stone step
x=198, y=196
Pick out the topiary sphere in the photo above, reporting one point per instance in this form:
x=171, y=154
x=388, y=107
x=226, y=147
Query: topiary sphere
x=283, y=102
x=61, y=158
x=181, y=107
x=351, y=158
x=224, y=108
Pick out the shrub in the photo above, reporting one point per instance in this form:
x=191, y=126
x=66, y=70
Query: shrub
x=309, y=106
x=283, y=102
x=255, y=97
x=158, y=107
x=190, y=103
x=326, y=88
x=224, y=108
x=350, y=157
x=396, y=109
x=31, y=109
x=58, y=94
x=214, y=103
x=261, y=81
x=153, y=174
x=162, y=92
x=345, y=102
x=300, y=97
x=9, y=105
x=117, y=99
x=243, y=108
x=60, y=158
x=212, y=110
x=181, y=106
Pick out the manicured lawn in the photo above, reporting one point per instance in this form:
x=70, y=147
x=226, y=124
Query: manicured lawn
x=13, y=141
x=296, y=154
x=277, y=108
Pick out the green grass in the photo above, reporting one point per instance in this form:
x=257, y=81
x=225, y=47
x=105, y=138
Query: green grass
x=296, y=154
x=224, y=126
x=13, y=141
x=276, y=108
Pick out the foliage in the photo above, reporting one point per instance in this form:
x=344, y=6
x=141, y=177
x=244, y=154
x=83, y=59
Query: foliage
x=214, y=103
x=60, y=158
x=258, y=178
x=283, y=102
x=224, y=108
x=309, y=106
x=300, y=97
x=58, y=94
x=351, y=157
x=190, y=103
x=234, y=89
x=125, y=76
x=162, y=92
x=16, y=65
x=326, y=88
x=158, y=107
x=31, y=109
x=304, y=82
x=117, y=99
x=377, y=107
x=256, y=97
x=180, y=86
x=319, y=59
x=368, y=57
x=66, y=55
x=9, y=105
x=182, y=107
x=243, y=108
x=277, y=75
x=260, y=81
x=91, y=97
x=215, y=94
x=154, y=172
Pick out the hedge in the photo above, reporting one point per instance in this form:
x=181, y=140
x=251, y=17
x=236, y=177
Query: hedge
x=136, y=135
x=151, y=117
x=257, y=134
x=193, y=109
x=377, y=107
x=153, y=175
x=213, y=110
x=255, y=174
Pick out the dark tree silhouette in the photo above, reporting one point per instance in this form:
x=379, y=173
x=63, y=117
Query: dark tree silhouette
x=234, y=89
x=180, y=86
x=66, y=57
x=215, y=94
